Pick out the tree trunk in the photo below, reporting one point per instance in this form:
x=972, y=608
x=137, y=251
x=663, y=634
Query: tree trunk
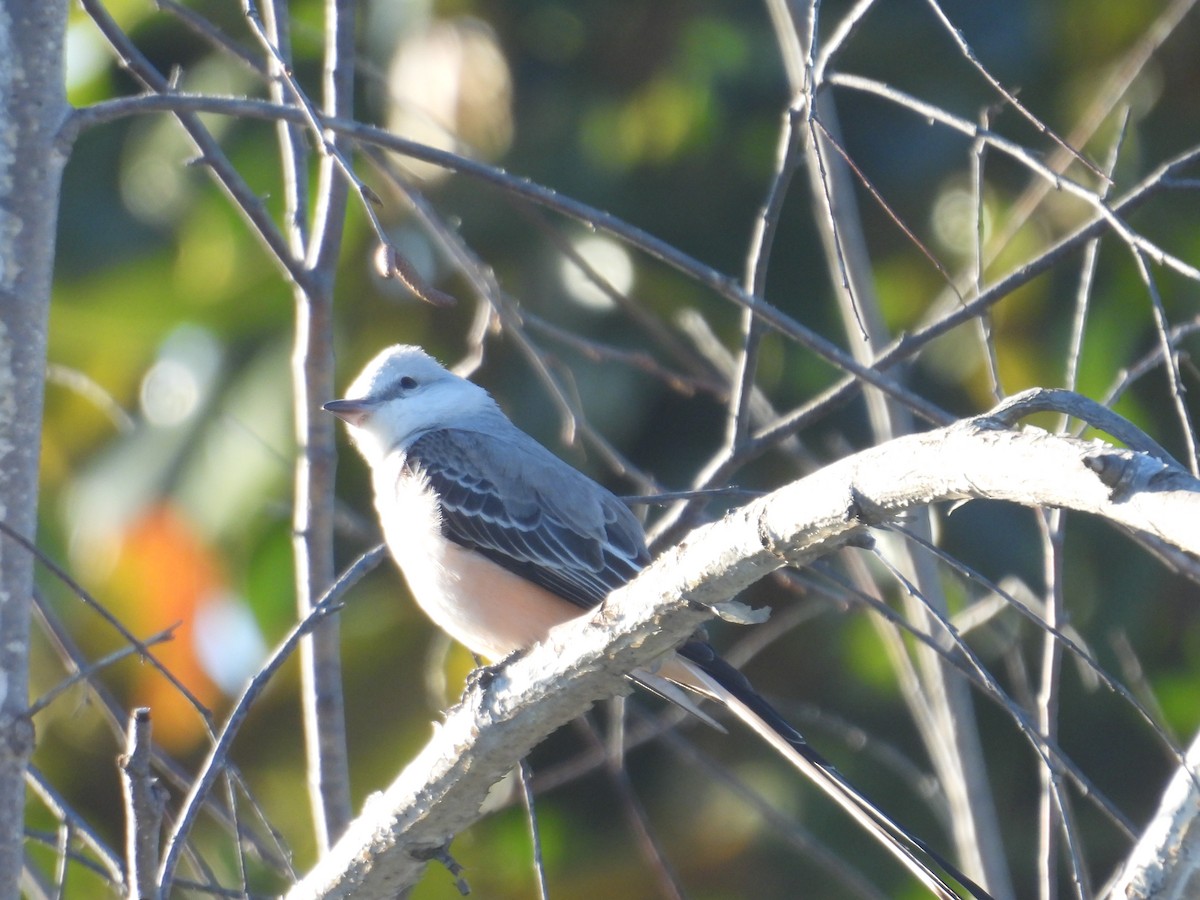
x=32, y=108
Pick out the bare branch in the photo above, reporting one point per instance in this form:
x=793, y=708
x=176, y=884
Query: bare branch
x=1164, y=862
x=216, y=760
x=440, y=792
x=145, y=802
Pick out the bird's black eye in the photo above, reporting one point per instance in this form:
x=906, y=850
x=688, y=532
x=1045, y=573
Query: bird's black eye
x=407, y=383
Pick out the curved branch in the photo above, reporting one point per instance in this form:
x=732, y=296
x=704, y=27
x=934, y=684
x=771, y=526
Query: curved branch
x=1164, y=862
x=439, y=793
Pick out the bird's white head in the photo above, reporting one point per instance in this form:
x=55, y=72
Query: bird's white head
x=404, y=393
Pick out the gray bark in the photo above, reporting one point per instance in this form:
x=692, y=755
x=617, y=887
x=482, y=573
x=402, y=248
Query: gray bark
x=32, y=108
x=385, y=850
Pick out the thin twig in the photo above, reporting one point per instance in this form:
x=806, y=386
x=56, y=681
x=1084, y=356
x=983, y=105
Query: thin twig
x=655, y=247
x=669, y=882
x=984, y=322
x=596, y=351
x=84, y=386
x=1091, y=254
x=215, y=37
x=245, y=200
x=846, y=27
x=881, y=201
x=758, y=258
x=1026, y=158
x=969, y=665
x=908, y=345
x=114, y=713
x=1139, y=684
x=107, y=863
x=957, y=36
x=54, y=839
x=1078, y=651
x=1051, y=524
x=1117, y=87
x=140, y=646
x=1170, y=363
x=215, y=761
x=1130, y=375
x=525, y=776
x=637, y=310
x=1041, y=742
x=85, y=673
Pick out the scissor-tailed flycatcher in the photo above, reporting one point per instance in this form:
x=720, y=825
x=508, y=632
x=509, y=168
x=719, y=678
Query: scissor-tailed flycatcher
x=500, y=540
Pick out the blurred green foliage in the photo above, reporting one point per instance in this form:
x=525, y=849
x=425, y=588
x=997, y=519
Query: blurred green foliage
x=667, y=115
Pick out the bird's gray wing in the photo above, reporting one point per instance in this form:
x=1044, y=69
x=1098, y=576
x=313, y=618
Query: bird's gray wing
x=519, y=505
x=508, y=497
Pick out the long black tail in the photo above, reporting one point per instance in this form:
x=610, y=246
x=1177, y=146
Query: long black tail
x=736, y=692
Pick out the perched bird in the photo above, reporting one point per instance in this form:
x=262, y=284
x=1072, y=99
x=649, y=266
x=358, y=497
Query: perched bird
x=500, y=540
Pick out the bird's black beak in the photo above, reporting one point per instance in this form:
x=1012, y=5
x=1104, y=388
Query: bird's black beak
x=352, y=412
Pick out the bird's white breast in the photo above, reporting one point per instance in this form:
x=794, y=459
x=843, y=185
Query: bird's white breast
x=490, y=610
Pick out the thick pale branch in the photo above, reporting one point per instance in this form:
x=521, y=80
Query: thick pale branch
x=504, y=716
x=1166, y=861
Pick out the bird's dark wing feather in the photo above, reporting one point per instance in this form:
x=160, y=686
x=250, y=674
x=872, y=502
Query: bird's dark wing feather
x=510, y=499
x=522, y=507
